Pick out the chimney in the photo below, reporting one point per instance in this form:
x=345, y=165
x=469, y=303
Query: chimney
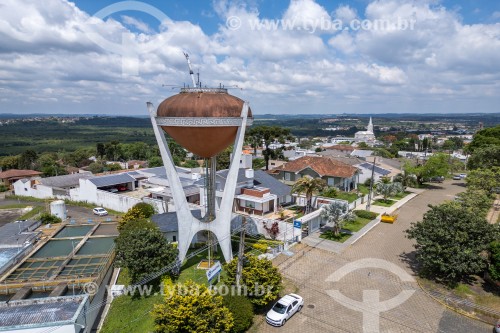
x=249, y=173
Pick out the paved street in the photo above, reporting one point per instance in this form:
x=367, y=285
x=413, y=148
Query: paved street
x=309, y=269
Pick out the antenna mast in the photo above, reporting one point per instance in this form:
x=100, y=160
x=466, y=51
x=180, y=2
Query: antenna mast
x=190, y=69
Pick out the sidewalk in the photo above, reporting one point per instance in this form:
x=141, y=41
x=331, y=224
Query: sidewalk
x=314, y=240
x=494, y=212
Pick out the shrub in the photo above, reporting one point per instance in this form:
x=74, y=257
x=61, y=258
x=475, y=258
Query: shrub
x=242, y=310
x=47, y=218
x=146, y=209
x=365, y=214
x=3, y=188
x=261, y=247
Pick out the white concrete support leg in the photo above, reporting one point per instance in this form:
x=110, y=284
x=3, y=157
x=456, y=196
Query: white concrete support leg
x=223, y=219
x=184, y=217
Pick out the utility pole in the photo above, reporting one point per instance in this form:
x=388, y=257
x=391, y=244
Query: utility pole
x=241, y=252
x=368, y=204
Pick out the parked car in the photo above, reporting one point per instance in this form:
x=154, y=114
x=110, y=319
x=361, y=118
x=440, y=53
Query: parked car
x=122, y=188
x=437, y=179
x=100, y=211
x=113, y=190
x=497, y=327
x=463, y=175
x=457, y=177
x=283, y=309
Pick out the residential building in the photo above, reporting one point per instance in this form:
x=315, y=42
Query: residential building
x=50, y=187
x=256, y=191
x=335, y=173
x=9, y=177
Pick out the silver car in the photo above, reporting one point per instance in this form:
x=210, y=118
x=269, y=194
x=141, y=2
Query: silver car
x=100, y=211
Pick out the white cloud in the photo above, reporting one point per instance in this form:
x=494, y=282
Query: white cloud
x=48, y=61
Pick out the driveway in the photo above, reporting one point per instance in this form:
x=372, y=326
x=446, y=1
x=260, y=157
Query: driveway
x=309, y=269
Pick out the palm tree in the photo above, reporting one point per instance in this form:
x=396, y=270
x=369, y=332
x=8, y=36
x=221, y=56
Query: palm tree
x=335, y=213
x=308, y=186
x=405, y=179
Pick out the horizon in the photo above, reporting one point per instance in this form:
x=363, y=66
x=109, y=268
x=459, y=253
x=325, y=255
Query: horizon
x=292, y=57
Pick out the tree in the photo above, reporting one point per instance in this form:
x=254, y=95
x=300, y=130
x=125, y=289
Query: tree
x=436, y=165
x=224, y=158
x=242, y=310
x=266, y=134
x=388, y=189
x=273, y=230
x=484, y=179
x=142, y=248
x=363, y=145
x=483, y=138
x=450, y=241
x=258, y=163
x=453, y=143
x=334, y=213
x=260, y=277
x=140, y=211
x=27, y=159
x=100, y=150
x=494, y=268
x=484, y=157
x=308, y=186
x=191, y=164
x=476, y=200
x=9, y=162
x=155, y=161
x=96, y=167
x=190, y=308
x=405, y=179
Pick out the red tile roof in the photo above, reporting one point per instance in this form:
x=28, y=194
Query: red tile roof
x=341, y=147
x=14, y=173
x=324, y=166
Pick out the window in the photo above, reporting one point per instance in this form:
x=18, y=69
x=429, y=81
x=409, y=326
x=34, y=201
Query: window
x=331, y=181
x=288, y=176
x=174, y=238
x=294, y=303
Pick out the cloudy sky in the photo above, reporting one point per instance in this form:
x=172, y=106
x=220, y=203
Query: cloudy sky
x=298, y=56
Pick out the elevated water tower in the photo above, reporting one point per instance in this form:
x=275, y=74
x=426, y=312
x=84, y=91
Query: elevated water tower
x=205, y=121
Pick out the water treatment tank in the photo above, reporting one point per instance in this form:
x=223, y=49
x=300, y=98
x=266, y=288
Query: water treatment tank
x=58, y=208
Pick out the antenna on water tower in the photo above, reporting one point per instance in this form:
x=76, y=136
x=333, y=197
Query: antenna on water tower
x=191, y=73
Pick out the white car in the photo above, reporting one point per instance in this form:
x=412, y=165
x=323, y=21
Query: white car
x=100, y=211
x=463, y=175
x=283, y=309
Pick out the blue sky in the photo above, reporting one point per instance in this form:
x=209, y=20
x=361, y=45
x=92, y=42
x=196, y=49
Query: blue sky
x=60, y=57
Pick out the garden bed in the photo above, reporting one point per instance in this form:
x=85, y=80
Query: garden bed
x=384, y=203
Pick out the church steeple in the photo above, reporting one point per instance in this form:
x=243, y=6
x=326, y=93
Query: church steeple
x=370, y=126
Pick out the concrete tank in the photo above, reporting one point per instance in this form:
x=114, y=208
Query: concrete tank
x=58, y=208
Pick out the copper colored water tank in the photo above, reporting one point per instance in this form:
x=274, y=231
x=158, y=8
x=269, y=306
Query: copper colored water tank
x=198, y=135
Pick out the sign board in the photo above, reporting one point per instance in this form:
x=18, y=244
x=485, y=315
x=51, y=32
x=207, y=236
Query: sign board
x=214, y=270
x=297, y=224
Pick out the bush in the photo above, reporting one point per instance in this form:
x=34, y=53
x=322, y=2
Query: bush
x=259, y=246
x=365, y=214
x=3, y=188
x=146, y=209
x=242, y=310
x=47, y=218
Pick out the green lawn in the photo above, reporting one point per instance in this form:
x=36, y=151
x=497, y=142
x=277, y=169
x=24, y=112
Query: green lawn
x=131, y=315
x=14, y=206
x=357, y=225
x=382, y=202
x=353, y=227
x=363, y=189
x=330, y=236
x=349, y=196
x=35, y=211
x=400, y=195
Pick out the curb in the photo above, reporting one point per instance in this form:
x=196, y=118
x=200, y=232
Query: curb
x=449, y=307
